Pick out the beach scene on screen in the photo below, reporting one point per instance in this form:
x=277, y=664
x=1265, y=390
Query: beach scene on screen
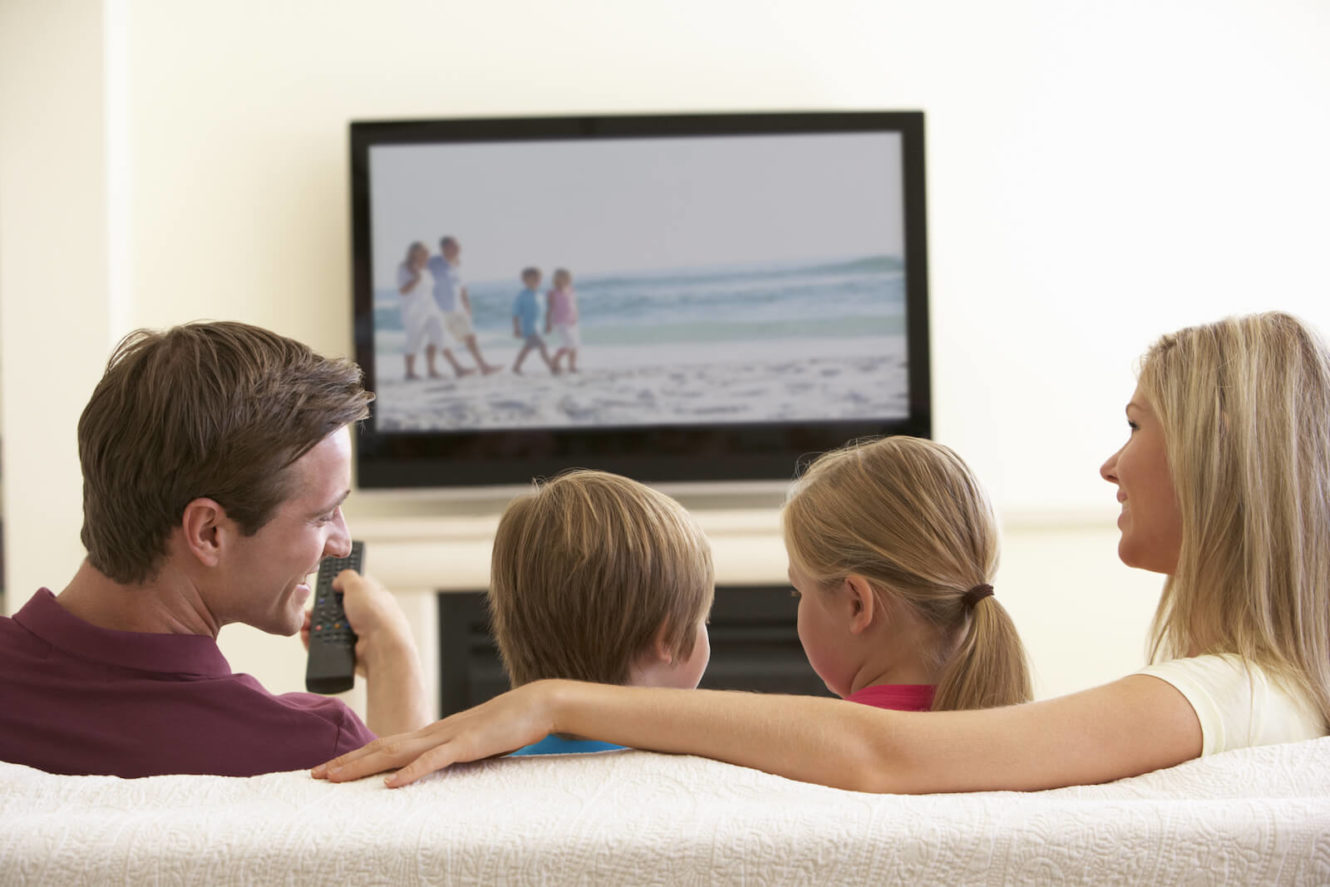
x=735, y=279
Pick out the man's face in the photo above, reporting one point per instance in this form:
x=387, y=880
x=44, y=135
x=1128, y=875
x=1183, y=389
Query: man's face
x=451, y=250
x=266, y=574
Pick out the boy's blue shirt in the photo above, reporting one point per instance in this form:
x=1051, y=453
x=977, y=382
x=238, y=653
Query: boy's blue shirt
x=557, y=745
x=526, y=309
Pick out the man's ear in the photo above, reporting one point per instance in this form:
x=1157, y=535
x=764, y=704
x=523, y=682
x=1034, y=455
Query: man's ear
x=862, y=602
x=204, y=528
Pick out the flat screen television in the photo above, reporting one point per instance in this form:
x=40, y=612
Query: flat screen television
x=735, y=291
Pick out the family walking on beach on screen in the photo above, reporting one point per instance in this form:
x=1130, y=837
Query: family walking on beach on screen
x=436, y=314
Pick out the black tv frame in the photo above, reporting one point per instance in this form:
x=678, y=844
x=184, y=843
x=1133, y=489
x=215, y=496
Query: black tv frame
x=655, y=454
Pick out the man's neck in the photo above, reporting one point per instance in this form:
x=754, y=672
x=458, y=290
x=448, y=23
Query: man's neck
x=166, y=604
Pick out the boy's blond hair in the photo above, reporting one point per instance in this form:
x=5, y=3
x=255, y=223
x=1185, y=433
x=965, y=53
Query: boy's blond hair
x=587, y=573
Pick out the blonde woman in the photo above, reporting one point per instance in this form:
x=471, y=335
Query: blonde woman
x=1224, y=484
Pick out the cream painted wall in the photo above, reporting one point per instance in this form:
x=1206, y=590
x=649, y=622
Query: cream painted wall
x=1098, y=174
x=54, y=288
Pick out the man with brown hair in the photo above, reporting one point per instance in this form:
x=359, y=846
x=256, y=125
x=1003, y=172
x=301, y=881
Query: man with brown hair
x=216, y=457
x=596, y=577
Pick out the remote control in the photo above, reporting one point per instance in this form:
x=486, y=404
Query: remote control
x=331, y=667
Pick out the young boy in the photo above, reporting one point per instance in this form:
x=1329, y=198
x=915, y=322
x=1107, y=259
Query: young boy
x=526, y=311
x=596, y=577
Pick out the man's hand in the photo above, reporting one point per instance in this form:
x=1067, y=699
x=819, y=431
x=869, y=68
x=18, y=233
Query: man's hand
x=379, y=623
x=385, y=654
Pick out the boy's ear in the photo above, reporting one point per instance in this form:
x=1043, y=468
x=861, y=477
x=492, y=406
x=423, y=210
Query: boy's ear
x=204, y=530
x=654, y=665
x=861, y=601
x=660, y=648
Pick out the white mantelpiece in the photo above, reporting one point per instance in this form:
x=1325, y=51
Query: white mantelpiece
x=414, y=554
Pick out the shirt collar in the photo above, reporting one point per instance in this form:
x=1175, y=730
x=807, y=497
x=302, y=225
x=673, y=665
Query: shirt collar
x=146, y=651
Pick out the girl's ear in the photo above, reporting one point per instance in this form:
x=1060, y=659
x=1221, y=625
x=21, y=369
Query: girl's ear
x=863, y=604
x=204, y=528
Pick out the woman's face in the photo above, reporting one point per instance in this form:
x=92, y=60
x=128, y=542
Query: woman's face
x=1150, y=521
x=419, y=256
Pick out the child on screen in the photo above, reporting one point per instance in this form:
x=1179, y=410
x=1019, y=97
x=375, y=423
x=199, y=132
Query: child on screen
x=561, y=318
x=596, y=577
x=892, y=547
x=526, y=312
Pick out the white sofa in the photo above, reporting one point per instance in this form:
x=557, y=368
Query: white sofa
x=1258, y=816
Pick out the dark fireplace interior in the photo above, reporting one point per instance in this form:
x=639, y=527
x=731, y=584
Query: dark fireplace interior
x=754, y=646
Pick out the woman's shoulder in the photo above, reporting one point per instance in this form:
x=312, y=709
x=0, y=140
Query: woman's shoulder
x=1240, y=702
x=1218, y=671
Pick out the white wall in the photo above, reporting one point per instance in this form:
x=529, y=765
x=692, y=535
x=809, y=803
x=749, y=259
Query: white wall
x=54, y=290
x=1098, y=174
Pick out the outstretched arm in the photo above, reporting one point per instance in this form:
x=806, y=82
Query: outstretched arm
x=386, y=655
x=1132, y=726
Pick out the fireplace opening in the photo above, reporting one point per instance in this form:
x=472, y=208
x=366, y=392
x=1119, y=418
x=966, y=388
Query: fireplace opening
x=754, y=646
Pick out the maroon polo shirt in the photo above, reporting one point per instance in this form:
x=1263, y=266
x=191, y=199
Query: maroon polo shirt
x=75, y=698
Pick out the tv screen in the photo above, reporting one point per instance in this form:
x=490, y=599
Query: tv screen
x=675, y=298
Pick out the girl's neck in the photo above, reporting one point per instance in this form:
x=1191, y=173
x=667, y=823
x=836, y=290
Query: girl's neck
x=912, y=672
x=903, y=648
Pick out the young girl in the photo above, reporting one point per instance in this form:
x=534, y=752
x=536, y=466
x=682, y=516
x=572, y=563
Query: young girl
x=1225, y=488
x=561, y=319
x=420, y=316
x=892, y=546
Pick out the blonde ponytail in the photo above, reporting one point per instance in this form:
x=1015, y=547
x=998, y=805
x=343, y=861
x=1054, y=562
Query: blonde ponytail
x=988, y=668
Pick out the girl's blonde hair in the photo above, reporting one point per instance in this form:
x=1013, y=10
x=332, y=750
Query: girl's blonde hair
x=907, y=515
x=1245, y=408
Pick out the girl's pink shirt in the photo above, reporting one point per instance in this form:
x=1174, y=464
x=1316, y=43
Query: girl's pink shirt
x=563, y=306
x=899, y=697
